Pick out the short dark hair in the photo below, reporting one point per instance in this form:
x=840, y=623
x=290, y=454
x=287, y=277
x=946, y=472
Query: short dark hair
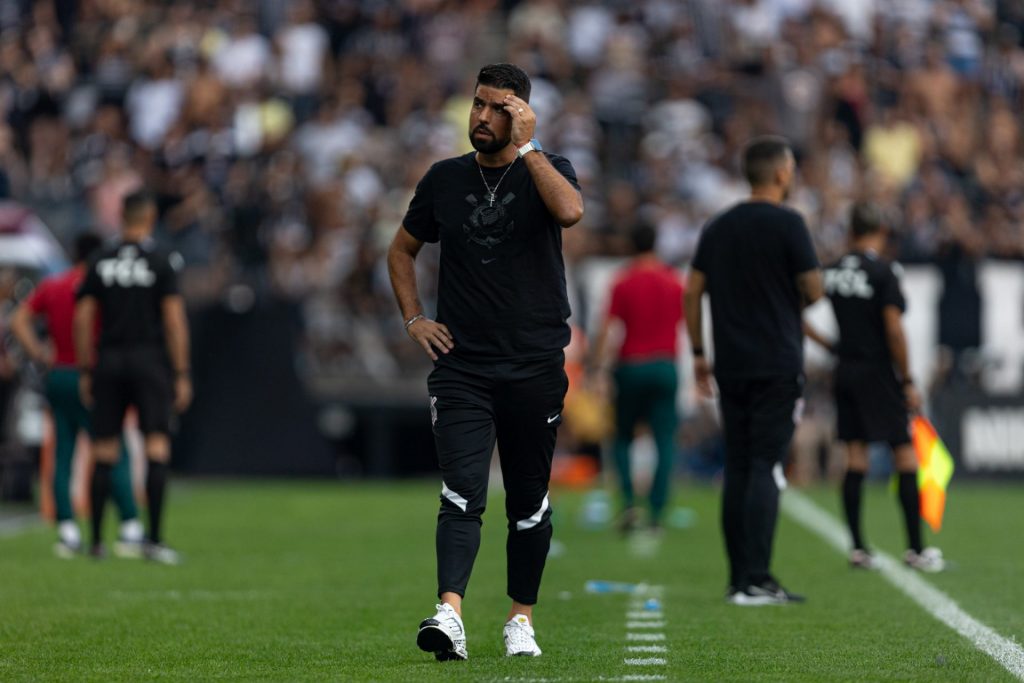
x=762, y=156
x=85, y=246
x=506, y=76
x=866, y=218
x=643, y=236
x=134, y=203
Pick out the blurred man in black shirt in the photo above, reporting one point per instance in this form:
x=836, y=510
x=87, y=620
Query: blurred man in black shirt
x=758, y=266
x=141, y=360
x=497, y=343
x=873, y=386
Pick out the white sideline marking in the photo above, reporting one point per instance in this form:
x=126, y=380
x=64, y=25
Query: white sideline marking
x=646, y=648
x=645, y=661
x=16, y=525
x=645, y=624
x=645, y=636
x=1007, y=653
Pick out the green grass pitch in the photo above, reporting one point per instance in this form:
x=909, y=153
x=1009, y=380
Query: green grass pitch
x=304, y=581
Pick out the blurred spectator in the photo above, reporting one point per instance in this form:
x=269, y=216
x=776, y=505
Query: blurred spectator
x=285, y=138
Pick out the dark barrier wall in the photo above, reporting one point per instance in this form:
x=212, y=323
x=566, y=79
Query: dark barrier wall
x=251, y=414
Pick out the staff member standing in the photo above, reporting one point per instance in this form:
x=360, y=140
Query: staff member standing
x=497, y=343
x=873, y=387
x=142, y=360
x=647, y=302
x=53, y=300
x=758, y=266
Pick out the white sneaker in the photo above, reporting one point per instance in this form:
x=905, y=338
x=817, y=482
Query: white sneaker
x=862, y=559
x=519, y=638
x=161, y=554
x=929, y=560
x=443, y=634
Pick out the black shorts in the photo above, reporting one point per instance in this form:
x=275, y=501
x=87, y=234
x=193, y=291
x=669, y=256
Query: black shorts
x=869, y=404
x=132, y=377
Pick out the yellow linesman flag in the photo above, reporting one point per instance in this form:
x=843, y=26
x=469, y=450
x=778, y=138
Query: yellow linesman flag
x=934, y=470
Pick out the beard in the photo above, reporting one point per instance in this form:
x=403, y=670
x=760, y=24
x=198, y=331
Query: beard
x=487, y=145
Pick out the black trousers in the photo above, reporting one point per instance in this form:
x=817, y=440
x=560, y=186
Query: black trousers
x=519, y=406
x=759, y=416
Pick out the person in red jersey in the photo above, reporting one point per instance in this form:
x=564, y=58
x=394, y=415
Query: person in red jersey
x=53, y=301
x=647, y=302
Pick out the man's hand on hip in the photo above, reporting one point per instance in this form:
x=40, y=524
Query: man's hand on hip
x=431, y=335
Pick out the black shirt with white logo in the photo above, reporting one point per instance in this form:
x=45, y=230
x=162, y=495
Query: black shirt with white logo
x=750, y=256
x=129, y=282
x=860, y=286
x=501, y=288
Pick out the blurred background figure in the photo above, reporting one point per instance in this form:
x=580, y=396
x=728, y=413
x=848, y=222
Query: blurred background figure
x=644, y=313
x=276, y=137
x=53, y=301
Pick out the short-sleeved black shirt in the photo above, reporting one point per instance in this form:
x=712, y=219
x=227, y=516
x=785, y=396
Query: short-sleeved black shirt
x=129, y=282
x=501, y=288
x=750, y=256
x=860, y=286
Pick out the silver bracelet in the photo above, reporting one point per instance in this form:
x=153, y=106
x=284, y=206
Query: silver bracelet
x=410, y=321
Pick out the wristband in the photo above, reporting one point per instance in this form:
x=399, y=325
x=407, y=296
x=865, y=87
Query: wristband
x=907, y=382
x=84, y=371
x=698, y=351
x=182, y=373
x=410, y=321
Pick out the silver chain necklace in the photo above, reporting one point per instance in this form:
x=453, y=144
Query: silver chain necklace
x=490, y=196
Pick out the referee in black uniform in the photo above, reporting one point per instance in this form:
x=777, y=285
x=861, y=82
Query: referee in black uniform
x=758, y=266
x=496, y=343
x=141, y=359
x=873, y=387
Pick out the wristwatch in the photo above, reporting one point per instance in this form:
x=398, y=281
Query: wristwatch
x=531, y=146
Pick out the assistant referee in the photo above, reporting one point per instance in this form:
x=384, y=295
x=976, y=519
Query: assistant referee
x=142, y=360
x=873, y=387
x=758, y=266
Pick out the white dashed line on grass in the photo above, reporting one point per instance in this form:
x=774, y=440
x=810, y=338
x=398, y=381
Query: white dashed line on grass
x=645, y=624
x=646, y=661
x=645, y=636
x=1006, y=652
x=644, y=613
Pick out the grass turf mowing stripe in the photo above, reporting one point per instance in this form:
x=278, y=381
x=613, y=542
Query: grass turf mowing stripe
x=1007, y=653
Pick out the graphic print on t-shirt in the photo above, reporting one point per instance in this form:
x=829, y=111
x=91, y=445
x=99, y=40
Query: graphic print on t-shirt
x=128, y=268
x=490, y=224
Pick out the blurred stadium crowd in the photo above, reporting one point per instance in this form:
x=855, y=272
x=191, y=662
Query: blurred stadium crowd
x=284, y=138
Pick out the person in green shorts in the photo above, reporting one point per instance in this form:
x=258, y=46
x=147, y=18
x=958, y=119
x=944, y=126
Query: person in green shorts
x=647, y=303
x=53, y=300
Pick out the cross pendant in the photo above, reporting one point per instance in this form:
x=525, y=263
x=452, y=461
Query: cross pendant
x=490, y=198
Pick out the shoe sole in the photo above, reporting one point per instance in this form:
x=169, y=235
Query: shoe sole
x=63, y=552
x=432, y=639
x=128, y=551
x=742, y=600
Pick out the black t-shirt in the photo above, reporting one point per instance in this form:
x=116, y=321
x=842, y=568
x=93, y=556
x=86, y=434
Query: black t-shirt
x=750, y=256
x=860, y=286
x=501, y=287
x=129, y=282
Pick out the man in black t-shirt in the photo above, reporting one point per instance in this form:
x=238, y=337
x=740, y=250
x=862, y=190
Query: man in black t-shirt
x=141, y=360
x=496, y=343
x=757, y=264
x=873, y=386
